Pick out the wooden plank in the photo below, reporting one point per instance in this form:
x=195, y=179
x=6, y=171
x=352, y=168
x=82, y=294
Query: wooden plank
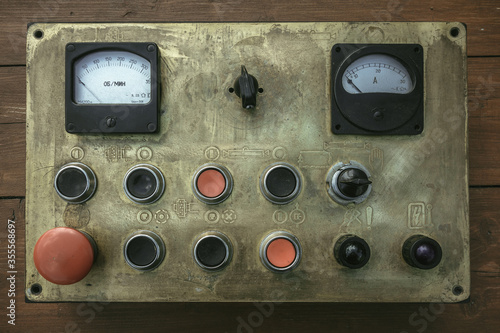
x=479, y=314
x=13, y=159
x=480, y=17
x=484, y=121
x=12, y=95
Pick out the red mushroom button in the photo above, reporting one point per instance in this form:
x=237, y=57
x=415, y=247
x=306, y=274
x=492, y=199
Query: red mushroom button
x=64, y=255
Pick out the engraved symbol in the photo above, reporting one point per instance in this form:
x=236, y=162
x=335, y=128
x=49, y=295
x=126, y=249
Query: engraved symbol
x=419, y=215
x=245, y=153
x=280, y=216
x=279, y=153
x=343, y=145
x=377, y=159
x=115, y=153
x=144, y=216
x=162, y=216
x=297, y=215
x=212, y=216
x=77, y=153
x=144, y=153
x=351, y=215
x=182, y=208
x=114, y=34
x=369, y=216
x=374, y=34
x=229, y=216
x=315, y=159
x=212, y=153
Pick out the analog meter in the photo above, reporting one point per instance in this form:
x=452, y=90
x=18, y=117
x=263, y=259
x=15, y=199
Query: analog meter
x=112, y=87
x=377, y=89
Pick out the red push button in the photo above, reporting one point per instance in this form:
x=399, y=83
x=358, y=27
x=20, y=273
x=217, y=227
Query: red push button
x=63, y=255
x=281, y=253
x=211, y=183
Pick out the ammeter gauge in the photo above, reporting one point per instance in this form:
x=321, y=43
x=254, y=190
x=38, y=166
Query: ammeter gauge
x=377, y=89
x=112, y=87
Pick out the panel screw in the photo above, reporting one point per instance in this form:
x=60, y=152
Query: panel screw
x=151, y=127
x=110, y=121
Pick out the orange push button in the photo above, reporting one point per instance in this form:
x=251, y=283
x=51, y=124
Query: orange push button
x=64, y=255
x=281, y=253
x=211, y=183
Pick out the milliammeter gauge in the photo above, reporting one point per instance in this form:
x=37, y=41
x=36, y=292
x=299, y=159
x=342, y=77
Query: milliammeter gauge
x=112, y=87
x=377, y=89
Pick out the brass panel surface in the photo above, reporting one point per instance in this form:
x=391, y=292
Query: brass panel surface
x=420, y=182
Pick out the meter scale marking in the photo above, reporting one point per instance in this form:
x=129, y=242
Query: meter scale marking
x=112, y=77
x=377, y=73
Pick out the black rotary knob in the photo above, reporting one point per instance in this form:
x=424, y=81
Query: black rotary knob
x=353, y=182
x=246, y=87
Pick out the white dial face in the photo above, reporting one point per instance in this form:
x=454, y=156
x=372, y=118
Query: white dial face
x=112, y=77
x=377, y=73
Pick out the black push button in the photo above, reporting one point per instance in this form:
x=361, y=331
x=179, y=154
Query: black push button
x=141, y=251
x=352, y=251
x=71, y=182
x=144, y=184
x=75, y=182
x=211, y=252
x=144, y=250
x=281, y=182
x=141, y=183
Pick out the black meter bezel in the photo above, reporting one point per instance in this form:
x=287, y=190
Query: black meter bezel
x=377, y=113
x=112, y=118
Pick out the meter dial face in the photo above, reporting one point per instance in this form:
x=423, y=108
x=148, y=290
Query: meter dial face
x=377, y=89
x=377, y=73
x=112, y=77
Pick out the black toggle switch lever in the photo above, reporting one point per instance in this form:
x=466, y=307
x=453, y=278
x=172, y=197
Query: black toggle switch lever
x=353, y=182
x=246, y=87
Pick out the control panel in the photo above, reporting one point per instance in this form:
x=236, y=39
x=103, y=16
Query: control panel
x=305, y=162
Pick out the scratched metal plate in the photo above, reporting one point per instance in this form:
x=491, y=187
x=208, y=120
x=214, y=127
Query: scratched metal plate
x=420, y=182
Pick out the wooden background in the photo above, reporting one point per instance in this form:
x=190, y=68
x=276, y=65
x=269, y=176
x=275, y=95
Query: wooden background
x=481, y=313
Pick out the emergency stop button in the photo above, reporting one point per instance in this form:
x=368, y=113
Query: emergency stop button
x=64, y=255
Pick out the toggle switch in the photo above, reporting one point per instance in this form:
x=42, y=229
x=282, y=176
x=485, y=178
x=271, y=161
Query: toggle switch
x=246, y=87
x=422, y=252
x=64, y=255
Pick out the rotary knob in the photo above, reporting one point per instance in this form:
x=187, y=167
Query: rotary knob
x=246, y=87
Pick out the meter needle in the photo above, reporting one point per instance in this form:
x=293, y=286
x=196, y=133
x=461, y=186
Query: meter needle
x=90, y=91
x=352, y=84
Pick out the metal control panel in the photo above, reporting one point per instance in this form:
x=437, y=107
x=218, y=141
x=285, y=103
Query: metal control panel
x=304, y=162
